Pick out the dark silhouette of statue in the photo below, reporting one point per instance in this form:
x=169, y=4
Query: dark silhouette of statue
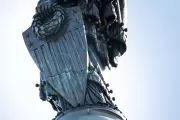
x=72, y=42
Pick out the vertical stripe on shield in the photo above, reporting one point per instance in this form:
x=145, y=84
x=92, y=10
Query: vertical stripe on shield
x=76, y=50
x=49, y=59
x=74, y=62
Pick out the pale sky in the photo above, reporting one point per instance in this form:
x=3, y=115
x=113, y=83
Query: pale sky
x=146, y=83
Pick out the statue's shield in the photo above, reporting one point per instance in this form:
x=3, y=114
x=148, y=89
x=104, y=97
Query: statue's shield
x=63, y=60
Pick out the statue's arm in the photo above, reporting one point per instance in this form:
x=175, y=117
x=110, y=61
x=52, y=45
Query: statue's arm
x=116, y=32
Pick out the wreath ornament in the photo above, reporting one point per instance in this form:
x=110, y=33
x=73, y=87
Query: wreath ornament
x=49, y=22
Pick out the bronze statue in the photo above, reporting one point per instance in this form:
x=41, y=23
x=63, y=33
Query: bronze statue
x=72, y=42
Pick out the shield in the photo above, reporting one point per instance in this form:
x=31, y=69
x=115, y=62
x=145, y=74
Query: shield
x=63, y=59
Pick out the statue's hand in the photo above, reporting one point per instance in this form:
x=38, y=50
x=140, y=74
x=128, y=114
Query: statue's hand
x=45, y=7
x=117, y=32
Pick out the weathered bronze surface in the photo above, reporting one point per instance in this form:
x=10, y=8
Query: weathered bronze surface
x=72, y=42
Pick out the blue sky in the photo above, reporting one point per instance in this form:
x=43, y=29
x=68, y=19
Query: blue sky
x=146, y=83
